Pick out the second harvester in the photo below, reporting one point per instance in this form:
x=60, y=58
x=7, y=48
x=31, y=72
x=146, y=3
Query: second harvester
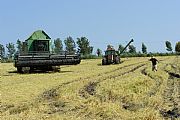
x=112, y=56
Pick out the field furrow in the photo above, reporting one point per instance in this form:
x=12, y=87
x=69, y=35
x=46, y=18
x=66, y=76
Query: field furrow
x=171, y=96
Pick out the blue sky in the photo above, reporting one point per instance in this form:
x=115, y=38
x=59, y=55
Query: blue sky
x=101, y=21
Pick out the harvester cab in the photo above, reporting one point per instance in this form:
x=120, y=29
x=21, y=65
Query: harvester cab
x=112, y=56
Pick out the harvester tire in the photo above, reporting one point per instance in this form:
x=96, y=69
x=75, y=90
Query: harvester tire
x=117, y=60
x=19, y=70
x=31, y=69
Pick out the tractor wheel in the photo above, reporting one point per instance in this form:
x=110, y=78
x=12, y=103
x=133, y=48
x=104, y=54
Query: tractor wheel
x=19, y=70
x=117, y=60
x=104, y=61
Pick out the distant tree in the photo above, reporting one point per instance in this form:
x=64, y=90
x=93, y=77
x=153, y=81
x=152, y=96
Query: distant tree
x=70, y=45
x=2, y=51
x=109, y=46
x=99, y=52
x=19, y=45
x=144, y=48
x=84, y=46
x=11, y=50
x=132, y=49
x=177, y=47
x=168, y=46
x=58, y=45
x=91, y=49
x=121, y=48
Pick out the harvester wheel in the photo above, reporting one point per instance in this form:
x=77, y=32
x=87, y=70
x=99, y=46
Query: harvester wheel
x=56, y=68
x=19, y=70
x=117, y=60
x=31, y=69
x=50, y=68
x=104, y=61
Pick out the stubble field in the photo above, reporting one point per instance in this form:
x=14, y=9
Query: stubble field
x=126, y=91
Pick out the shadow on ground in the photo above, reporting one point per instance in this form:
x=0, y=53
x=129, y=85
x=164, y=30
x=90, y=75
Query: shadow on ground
x=36, y=71
x=100, y=64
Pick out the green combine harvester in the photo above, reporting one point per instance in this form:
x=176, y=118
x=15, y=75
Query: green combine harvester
x=37, y=54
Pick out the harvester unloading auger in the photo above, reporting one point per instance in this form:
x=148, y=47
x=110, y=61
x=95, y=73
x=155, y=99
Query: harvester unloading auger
x=112, y=56
x=37, y=54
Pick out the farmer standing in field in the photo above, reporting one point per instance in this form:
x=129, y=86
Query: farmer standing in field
x=154, y=63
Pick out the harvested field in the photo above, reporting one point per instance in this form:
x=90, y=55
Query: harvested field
x=127, y=91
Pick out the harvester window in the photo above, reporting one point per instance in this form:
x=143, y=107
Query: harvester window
x=41, y=45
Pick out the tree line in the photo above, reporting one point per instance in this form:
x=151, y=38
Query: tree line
x=144, y=53
x=132, y=49
x=82, y=46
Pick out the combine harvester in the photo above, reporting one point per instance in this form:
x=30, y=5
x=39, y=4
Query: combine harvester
x=112, y=56
x=37, y=55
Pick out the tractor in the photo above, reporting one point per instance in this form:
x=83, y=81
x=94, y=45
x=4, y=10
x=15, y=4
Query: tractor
x=112, y=56
x=37, y=54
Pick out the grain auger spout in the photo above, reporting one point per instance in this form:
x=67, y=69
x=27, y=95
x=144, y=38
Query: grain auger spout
x=126, y=46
